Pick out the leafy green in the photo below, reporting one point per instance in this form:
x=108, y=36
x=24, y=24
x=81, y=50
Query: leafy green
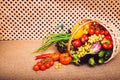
x=52, y=39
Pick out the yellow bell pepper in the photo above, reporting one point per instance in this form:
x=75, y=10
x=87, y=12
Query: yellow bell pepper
x=82, y=30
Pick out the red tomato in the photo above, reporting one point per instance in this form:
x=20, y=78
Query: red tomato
x=64, y=54
x=58, y=52
x=102, y=32
x=97, y=32
x=91, y=31
x=106, y=32
x=51, y=62
x=39, y=64
x=47, y=65
x=55, y=56
x=108, y=37
x=76, y=43
x=91, y=27
x=65, y=58
x=35, y=67
x=42, y=67
x=84, y=38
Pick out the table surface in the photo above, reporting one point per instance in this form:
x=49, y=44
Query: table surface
x=17, y=62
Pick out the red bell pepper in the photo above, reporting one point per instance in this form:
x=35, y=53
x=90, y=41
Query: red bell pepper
x=107, y=42
x=42, y=56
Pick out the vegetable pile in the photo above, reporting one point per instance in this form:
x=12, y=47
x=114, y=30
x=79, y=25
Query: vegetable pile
x=91, y=44
x=47, y=60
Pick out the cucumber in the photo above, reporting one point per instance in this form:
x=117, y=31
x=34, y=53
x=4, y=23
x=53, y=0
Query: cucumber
x=101, y=60
x=108, y=54
x=101, y=53
x=91, y=61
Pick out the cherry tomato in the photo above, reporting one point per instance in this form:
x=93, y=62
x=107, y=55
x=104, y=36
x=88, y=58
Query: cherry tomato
x=35, y=67
x=39, y=64
x=84, y=38
x=55, y=56
x=57, y=52
x=108, y=37
x=106, y=32
x=91, y=31
x=42, y=67
x=65, y=59
x=64, y=54
x=51, y=62
x=47, y=65
x=97, y=32
x=76, y=43
x=91, y=27
x=102, y=32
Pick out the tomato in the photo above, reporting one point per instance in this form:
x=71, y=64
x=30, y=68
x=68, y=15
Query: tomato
x=102, y=32
x=42, y=67
x=106, y=32
x=84, y=38
x=91, y=31
x=76, y=43
x=108, y=37
x=58, y=52
x=65, y=58
x=47, y=65
x=64, y=54
x=39, y=64
x=55, y=56
x=51, y=62
x=97, y=32
x=35, y=67
x=91, y=27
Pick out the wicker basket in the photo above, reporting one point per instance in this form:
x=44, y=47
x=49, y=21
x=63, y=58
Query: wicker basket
x=109, y=27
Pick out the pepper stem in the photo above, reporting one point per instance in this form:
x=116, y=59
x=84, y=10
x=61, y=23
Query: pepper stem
x=105, y=41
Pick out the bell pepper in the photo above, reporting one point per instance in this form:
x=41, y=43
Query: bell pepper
x=42, y=56
x=107, y=42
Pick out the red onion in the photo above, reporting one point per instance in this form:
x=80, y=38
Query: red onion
x=96, y=47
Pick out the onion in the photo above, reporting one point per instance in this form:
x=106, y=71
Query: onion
x=95, y=48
